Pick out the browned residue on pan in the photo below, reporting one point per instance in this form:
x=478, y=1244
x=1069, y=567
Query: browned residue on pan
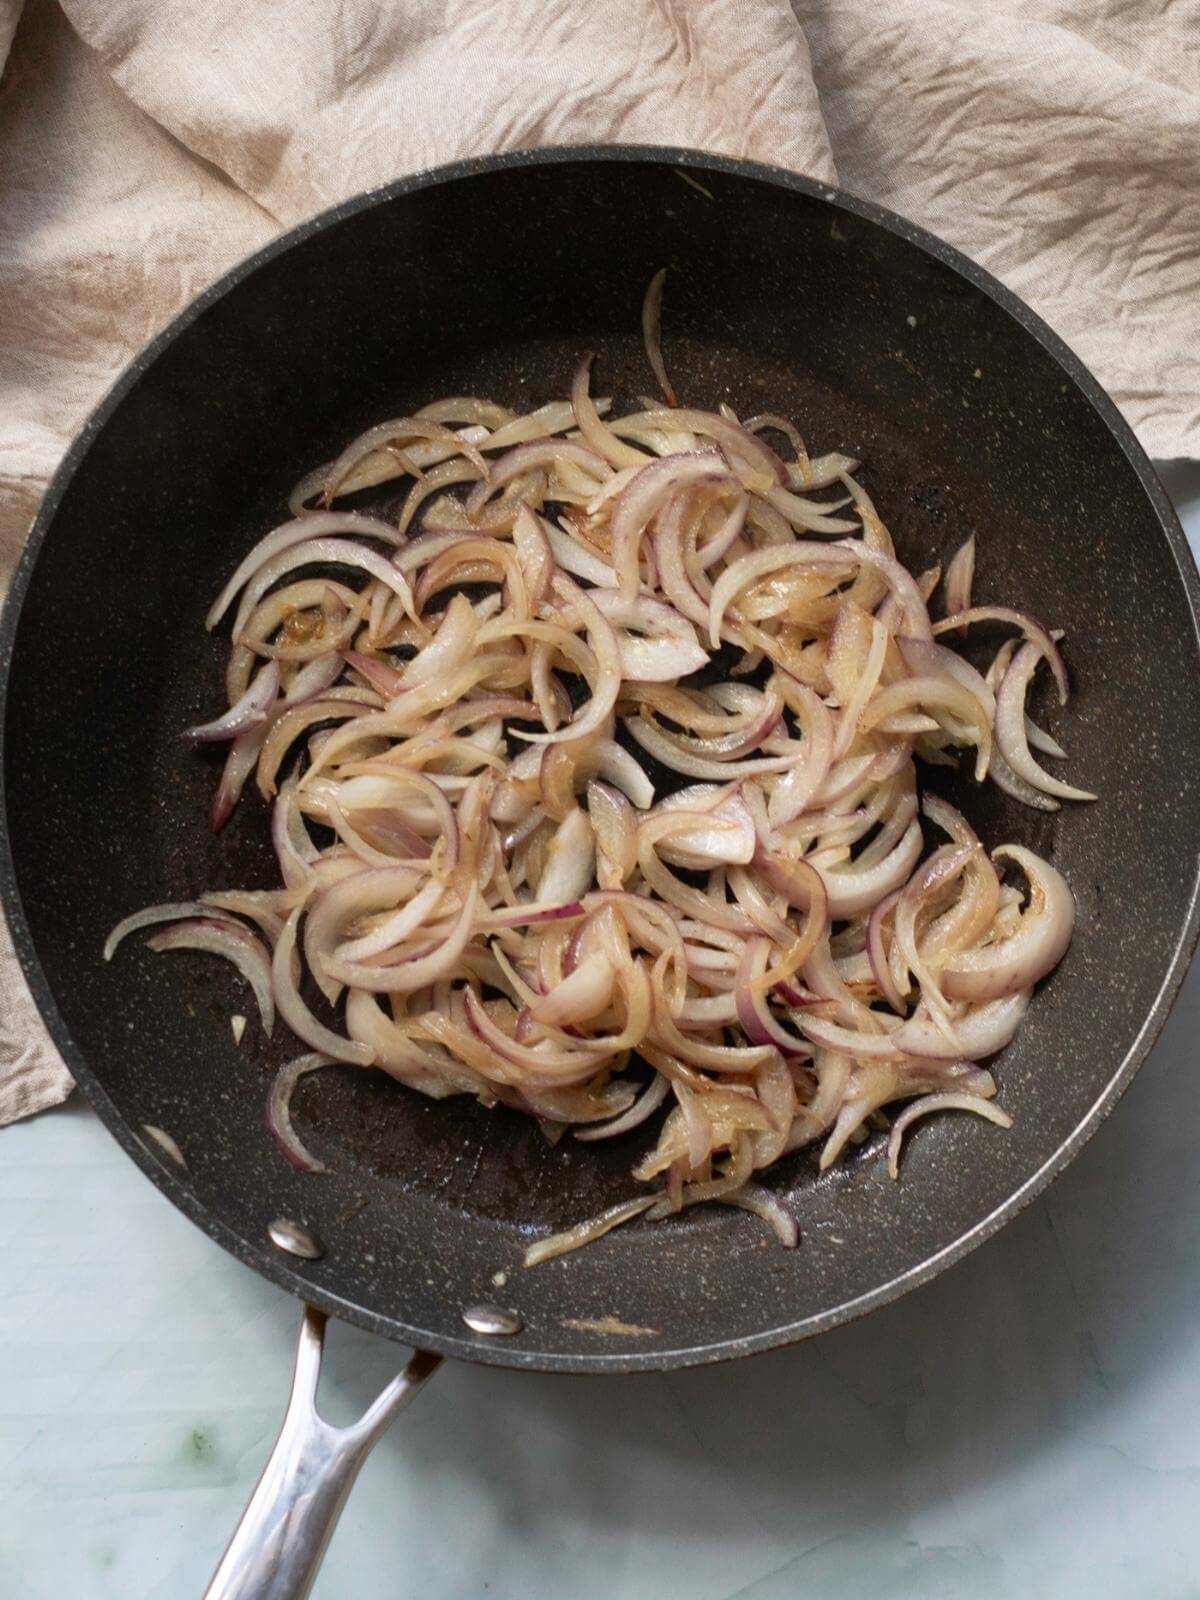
x=610, y=1324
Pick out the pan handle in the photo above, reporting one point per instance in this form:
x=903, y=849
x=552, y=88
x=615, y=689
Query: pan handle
x=279, y=1543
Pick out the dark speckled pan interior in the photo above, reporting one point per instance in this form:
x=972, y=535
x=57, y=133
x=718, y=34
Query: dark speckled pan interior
x=492, y=278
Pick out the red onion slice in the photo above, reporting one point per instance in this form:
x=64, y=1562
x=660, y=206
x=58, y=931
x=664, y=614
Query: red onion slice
x=669, y=651
x=652, y=334
x=616, y=766
x=743, y=450
x=607, y=685
x=279, y=1114
x=170, y=911
x=639, y=502
x=239, y=764
x=246, y=714
x=221, y=937
x=640, y=1111
x=959, y=577
x=980, y=1031
x=1011, y=737
x=881, y=969
x=939, y=1102
x=322, y=552
x=664, y=747
x=315, y=525
x=561, y=1244
x=546, y=452
x=724, y=833
x=805, y=514
x=615, y=826
x=396, y=928
x=582, y=995
x=285, y=976
x=449, y=649
x=1033, y=630
x=572, y=557
x=835, y=560
x=854, y=890
x=752, y=1197
x=1035, y=948
x=165, y=1143
x=529, y=915
x=570, y=861
x=754, y=1015
x=386, y=436
x=408, y=976
x=596, y=435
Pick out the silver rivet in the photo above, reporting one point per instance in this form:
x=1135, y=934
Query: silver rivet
x=297, y=1241
x=493, y=1319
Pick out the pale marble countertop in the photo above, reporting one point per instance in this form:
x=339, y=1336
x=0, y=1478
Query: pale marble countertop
x=1025, y=1428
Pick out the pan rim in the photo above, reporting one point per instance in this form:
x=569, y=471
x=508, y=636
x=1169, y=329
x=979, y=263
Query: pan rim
x=275, y=1268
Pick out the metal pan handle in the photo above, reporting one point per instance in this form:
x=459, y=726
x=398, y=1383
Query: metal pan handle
x=279, y=1543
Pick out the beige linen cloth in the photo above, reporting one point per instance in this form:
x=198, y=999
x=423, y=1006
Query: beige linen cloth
x=145, y=145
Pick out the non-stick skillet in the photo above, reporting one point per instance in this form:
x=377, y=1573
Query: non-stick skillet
x=491, y=277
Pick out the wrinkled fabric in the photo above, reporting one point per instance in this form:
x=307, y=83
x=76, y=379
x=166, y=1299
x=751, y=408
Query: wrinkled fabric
x=145, y=145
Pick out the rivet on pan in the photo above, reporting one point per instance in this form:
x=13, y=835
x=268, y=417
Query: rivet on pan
x=493, y=1319
x=297, y=1241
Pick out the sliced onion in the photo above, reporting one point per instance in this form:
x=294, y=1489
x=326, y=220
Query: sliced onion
x=615, y=826
x=734, y=937
x=721, y=833
x=607, y=684
x=665, y=747
x=285, y=981
x=582, y=995
x=806, y=514
x=835, y=560
x=570, y=861
x=652, y=334
x=322, y=552
x=221, y=937
x=646, y=492
x=171, y=911
x=396, y=928
x=669, y=651
x=939, y=1102
x=753, y=1197
x=239, y=764
x=450, y=647
x=279, y=1114
x=1039, y=943
x=855, y=890
x=959, y=576
x=572, y=557
x=980, y=1031
x=315, y=525
x=1011, y=737
x=1033, y=630
x=596, y=435
x=741, y=449
x=387, y=434
x=545, y=452
x=167, y=1144
x=247, y=713
x=561, y=1244
x=618, y=767
x=415, y=973
x=881, y=969
x=640, y=1111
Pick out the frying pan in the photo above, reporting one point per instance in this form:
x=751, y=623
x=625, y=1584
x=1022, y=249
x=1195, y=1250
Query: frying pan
x=492, y=277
